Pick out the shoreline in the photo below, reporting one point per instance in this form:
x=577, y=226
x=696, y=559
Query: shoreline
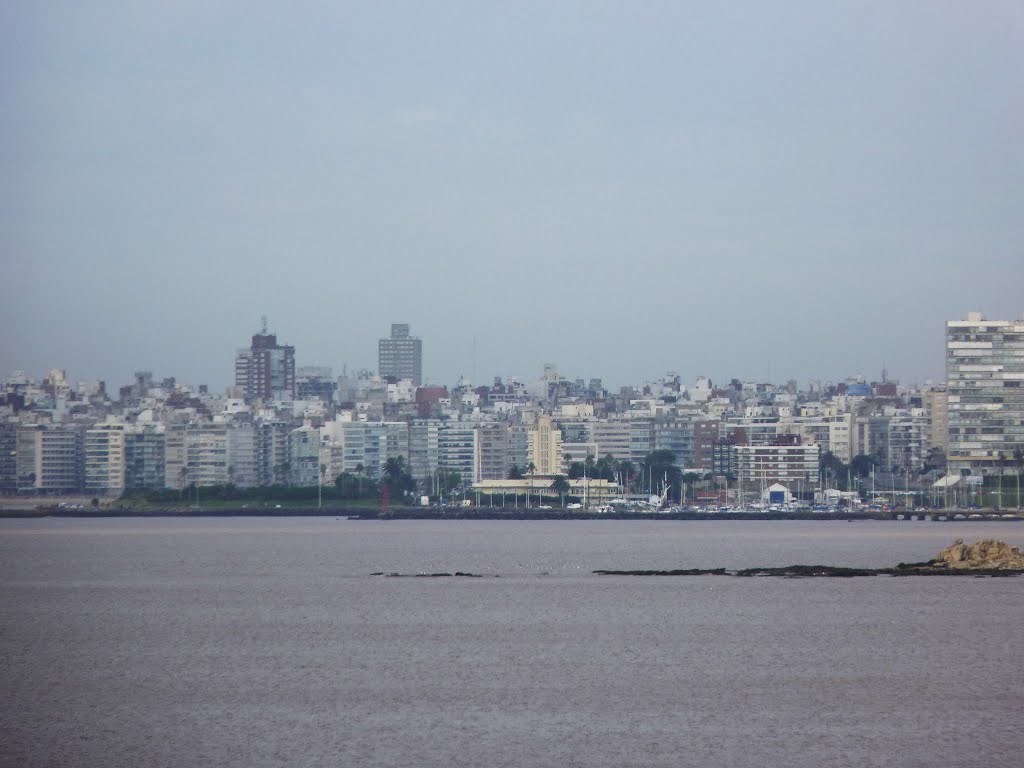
x=488, y=513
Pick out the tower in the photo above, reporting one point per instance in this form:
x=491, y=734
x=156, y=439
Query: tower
x=985, y=393
x=401, y=356
x=266, y=370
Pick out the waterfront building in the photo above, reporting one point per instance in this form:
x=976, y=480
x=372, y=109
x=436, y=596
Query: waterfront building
x=209, y=453
x=824, y=427
x=641, y=439
x=789, y=463
x=705, y=435
x=50, y=459
x=396, y=441
x=491, y=452
x=906, y=437
x=545, y=447
x=105, y=459
x=578, y=452
x=206, y=451
x=361, y=453
x=271, y=438
x=934, y=400
x=144, y=456
x=369, y=444
x=518, y=447
x=723, y=458
x=759, y=425
x=243, y=467
x=400, y=356
x=8, y=457
x=595, y=491
x=304, y=456
x=424, y=453
x=612, y=438
x=985, y=393
x=456, y=443
x=675, y=435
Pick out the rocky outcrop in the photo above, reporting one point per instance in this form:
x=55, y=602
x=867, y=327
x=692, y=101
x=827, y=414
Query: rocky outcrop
x=986, y=554
x=985, y=558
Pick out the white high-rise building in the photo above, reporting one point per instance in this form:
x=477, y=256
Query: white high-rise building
x=985, y=393
x=105, y=458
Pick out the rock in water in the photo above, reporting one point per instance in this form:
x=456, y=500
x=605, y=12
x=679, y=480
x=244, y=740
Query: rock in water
x=987, y=553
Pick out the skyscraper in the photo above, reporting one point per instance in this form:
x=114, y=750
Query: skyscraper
x=401, y=356
x=266, y=370
x=985, y=392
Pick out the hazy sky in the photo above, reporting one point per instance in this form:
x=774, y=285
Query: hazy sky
x=796, y=189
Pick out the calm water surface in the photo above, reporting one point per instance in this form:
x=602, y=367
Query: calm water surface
x=266, y=642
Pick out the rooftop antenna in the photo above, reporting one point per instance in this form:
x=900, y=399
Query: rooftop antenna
x=264, y=328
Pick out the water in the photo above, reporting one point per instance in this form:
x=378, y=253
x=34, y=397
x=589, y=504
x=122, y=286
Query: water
x=265, y=642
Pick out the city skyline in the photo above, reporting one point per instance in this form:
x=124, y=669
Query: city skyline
x=884, y=369
x=285, y=425
x=799, y=192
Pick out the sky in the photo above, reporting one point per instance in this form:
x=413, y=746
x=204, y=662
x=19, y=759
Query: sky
x=764, y=191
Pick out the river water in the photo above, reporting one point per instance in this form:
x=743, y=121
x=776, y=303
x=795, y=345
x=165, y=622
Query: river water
x=266, y=642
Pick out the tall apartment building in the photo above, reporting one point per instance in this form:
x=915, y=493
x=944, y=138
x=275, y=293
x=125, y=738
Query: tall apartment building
x=50, y=458
x=759, y=466
x=424, y=453
x=366, y=446
x=144, y=447
x=491, y=459
x=612, y=438
x=315, y=383
x=211, y=454
x=401, y=356
x=518, y=447
x=545, y=447
x=272, y=438
x=266, y=370
x=8, y=458
x=304, y=456
x=104, y=458
x=936, y=406
x=985, y=392
x=456, y=445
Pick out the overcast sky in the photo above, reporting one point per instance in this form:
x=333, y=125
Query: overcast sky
x=788, y=190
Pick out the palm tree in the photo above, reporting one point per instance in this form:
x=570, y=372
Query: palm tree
x=394, y=468
x=359, y=473
x=395, y=475
x=531, y=468
x=560, y=485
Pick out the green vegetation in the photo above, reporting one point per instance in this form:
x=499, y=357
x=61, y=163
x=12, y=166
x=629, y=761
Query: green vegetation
x=560, y=486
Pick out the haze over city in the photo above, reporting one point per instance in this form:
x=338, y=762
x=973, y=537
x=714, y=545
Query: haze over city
x=805, y=191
